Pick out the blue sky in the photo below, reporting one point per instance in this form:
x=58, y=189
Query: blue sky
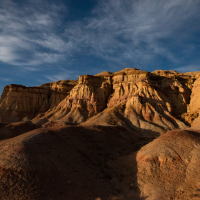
x=48, y=40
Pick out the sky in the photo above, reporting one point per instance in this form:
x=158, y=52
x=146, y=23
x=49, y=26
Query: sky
x=49, y=40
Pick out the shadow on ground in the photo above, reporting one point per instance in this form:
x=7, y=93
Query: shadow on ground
x=70, y=162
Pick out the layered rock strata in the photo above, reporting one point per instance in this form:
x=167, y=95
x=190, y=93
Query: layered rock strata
x=193, y=114
x=147, y=101
x=143, y=101
x=85, y=100
x=139, y=100
x=19, y=102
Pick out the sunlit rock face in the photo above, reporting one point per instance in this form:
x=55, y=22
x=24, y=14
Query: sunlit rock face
x=19, y=102
x=169, y=166
x=85, y=100
x=139, y=100
x=194, y=106
x=144, y=102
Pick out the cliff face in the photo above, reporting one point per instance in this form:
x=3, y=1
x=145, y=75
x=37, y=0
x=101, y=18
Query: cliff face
x=145, y=102
x=85, y=100
x=19, y=102
x=194, y=106
x=133, y=98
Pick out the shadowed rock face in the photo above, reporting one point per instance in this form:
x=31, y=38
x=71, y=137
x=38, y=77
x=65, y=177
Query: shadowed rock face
x=19, y=102
x=69, y=162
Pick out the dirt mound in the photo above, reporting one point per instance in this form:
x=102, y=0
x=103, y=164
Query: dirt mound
x=167, y=168
x=69, y=162
x=14, y=129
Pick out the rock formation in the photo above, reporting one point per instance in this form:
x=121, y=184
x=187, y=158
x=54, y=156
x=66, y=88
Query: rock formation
x=145, y=102
x=85, y=100
x=193, y=115
x=19, y=102
x=96, y=138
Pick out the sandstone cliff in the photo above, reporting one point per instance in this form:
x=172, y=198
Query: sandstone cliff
x=146, y=102
x=85, y=100
x=139, y=100
x=19, y=102
x=194, y=107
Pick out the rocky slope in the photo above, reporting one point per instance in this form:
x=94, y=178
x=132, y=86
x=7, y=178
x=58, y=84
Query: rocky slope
x=19, y=102
x=166, y=168
x=100, y=141
x=85, y=100
x=145, y=102
x=69, y=162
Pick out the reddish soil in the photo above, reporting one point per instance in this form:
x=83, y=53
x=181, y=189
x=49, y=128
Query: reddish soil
x=66, y=162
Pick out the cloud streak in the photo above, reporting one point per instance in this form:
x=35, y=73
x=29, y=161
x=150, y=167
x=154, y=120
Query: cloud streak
x=134, y=30
x=28, y=33
x=189, y=68
x=63, y=75
x=138, y=32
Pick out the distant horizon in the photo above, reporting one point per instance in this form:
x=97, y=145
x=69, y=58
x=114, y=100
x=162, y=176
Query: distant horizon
x=49, y=40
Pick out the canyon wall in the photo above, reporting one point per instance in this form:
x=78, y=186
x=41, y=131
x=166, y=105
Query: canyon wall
x=19, y=102
x=145, y=102
x=194, y=106
x=85, y=100
x=140, y=100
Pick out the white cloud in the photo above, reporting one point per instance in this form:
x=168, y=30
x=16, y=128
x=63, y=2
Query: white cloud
x=28, y=33
x=189, y=68
x=4, y=79
x=134, y=30
x=118, y=31
x=63, y=75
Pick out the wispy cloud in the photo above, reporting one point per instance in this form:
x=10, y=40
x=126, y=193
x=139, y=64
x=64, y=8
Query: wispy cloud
x=4, y=79
x=118, y=31
x=139, y=31
x=28, y=33
x=63, y=75
x=189, y=68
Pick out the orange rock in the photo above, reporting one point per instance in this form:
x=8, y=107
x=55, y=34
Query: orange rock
x=18, y=102
x=85, y=100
